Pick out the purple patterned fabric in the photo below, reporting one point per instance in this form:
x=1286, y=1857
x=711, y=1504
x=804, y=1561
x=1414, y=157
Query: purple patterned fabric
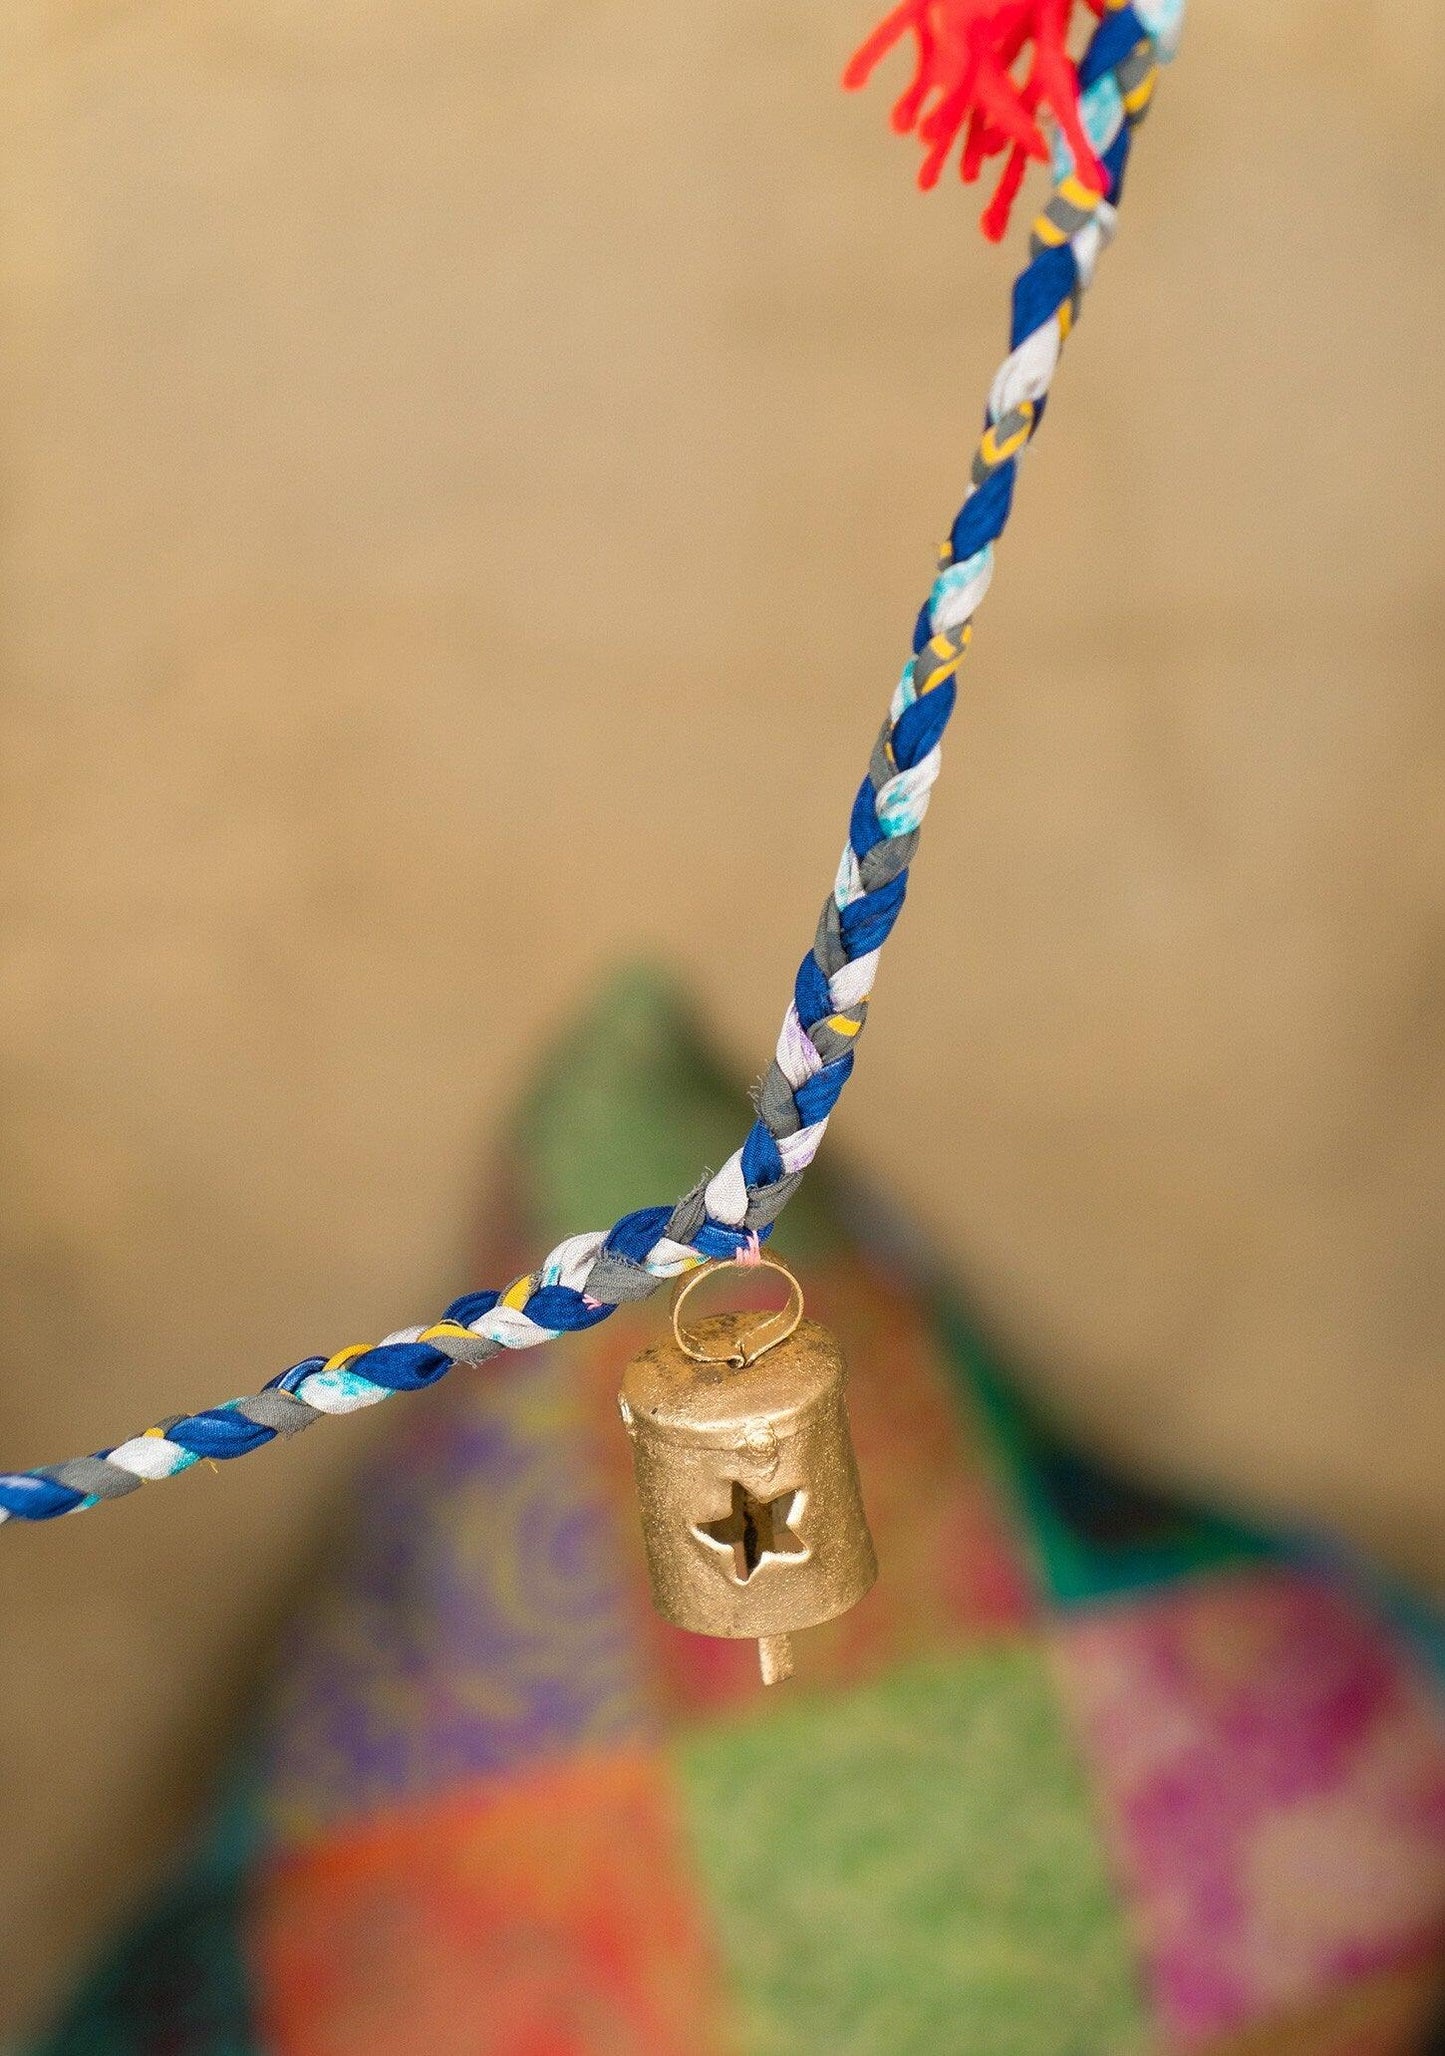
x=480, y=1621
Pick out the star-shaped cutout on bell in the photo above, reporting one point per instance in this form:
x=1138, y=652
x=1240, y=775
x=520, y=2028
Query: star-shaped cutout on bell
x=756, y=1528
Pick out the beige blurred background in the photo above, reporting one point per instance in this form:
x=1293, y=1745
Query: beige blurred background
x=470, y=468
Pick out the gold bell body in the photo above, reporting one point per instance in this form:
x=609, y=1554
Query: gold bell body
x=751, y=1511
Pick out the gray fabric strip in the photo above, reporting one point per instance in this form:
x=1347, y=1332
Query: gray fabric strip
x=768, y=1201
x=95, y=1477
x=927, y=661
x=1012, y=422
x=1066, y=217
x=282, y=1411
x=829, y=1044
x=828, y=942
x=616, y=1279
x=1136, y=67
x=886, y=859
x=466, y=1349
x=1004, y=429
x=689, y=1214
x=776, y=1108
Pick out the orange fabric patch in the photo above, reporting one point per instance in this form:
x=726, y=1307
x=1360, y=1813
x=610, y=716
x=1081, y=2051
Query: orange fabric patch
x=546, y=1916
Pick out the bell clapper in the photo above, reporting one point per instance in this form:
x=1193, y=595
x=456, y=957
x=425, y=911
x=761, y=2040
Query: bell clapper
x=775, y=1658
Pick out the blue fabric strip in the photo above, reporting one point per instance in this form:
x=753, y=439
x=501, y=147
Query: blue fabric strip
x=470, y=1307
x=920, y=726
x=635, y=1233
x=1112, y=41
x=219, y=1433
x=559, y=1306
x=982, y=516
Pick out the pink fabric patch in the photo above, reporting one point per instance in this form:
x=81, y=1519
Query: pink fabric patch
x=1273, y=1779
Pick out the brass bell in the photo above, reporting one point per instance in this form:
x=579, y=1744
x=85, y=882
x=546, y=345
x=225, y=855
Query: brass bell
x=751, y=1512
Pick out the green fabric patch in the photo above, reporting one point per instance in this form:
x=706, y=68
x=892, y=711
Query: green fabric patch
x=913, y=1868
x=1092, y=1533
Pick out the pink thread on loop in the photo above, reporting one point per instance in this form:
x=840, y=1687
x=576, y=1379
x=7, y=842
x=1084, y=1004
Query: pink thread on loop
x=751, y=1253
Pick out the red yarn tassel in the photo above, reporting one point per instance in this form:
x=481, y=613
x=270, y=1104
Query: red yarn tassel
x=965, y=82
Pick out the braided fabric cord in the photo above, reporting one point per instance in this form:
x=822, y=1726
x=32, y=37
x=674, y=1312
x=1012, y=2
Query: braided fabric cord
x=586, y=1277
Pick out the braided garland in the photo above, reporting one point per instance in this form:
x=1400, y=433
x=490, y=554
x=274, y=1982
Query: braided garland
x=587, y=1277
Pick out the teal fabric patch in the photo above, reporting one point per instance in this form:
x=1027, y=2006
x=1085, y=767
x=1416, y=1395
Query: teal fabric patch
x=1092, y=1534
x=913, y=1868
x=178, y=1983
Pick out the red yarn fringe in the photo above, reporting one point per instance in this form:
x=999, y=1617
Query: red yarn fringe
x=965, y=83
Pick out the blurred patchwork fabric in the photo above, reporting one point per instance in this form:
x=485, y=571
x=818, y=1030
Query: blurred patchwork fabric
x=443, y=439
x=1089, y=1773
